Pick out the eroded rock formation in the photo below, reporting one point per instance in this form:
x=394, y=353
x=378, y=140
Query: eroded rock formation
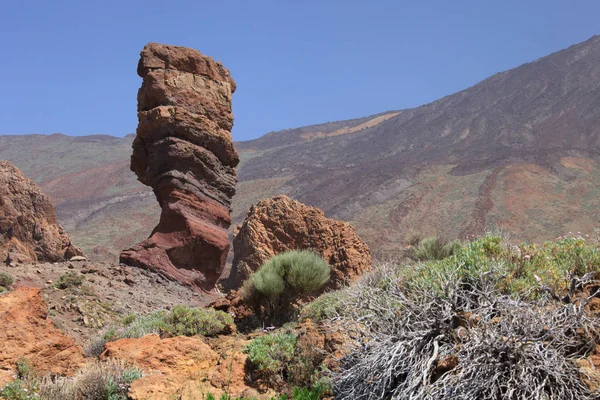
x=183, y=150
x=28, y=227
x=278, y=224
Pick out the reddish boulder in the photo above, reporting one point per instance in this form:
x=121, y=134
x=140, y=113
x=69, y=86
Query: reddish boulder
x=184, y=151
x=28, y=227
x=278, y=224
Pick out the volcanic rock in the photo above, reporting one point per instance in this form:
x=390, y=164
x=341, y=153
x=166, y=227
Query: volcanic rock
x=278, y=224
x=27, y=332
x=187, y=366
x=28, y=227
x=184, y=151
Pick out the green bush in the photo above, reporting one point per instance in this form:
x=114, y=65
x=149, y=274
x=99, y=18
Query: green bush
x=186, y=321
x=6, y=280
x=270, y=356
x=282, y=280
x=19, y=390
x=69, y=280
x=24, y=368
x=433, y=248
x=325, y=306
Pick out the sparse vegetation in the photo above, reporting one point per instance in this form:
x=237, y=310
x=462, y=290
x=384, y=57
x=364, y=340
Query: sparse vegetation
x=181, y=321
x=6, y=281
x=281, y=281
x=431, y=248
x=511, y=320
x=282, y=362
x=270, y=356
x=323, y=307
x=69, y=280
x=109, y=380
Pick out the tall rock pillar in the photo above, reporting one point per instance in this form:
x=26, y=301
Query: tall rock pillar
x=184, y=151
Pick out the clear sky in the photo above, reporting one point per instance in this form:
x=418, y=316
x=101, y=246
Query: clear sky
x=70, y=66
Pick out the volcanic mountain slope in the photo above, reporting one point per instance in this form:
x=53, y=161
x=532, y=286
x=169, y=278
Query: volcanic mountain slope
x=518, y=152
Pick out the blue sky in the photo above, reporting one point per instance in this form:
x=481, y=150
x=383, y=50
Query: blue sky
x=70, y=66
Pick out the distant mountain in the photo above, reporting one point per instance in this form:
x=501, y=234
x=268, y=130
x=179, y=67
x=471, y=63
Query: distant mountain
x=517, y=152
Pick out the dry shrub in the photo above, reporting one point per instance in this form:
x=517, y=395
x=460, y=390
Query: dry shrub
x=98, y=381
x=507, y=346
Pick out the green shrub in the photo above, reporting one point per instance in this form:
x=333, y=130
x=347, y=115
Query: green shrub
x=2, y=289
x=6, y=280
x=433, y=248
x=24, y=368
x=19, y=390
x=281, y=281
x=187, y=321
x=270, y=356
x=181, y=321
x=69, y=280
x=325, y=306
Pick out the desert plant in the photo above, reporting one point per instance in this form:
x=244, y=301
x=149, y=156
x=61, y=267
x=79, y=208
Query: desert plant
x=282, y=280
x=6, y=280
x=24, y=368
x=69, y=280
x=507, y=343
x=323, y=307
x=181, y=321
x=188, y=321
x=19, y=390
x=109, y=380
x=433, y=248
x=270, y=355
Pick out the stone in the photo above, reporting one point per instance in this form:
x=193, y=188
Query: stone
x=183, y=149
x=278, y=224
x=27, y=332
x=29, y=230
x=78, y=258
x=183, y=367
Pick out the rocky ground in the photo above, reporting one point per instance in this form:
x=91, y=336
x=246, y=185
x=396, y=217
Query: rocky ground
x=107, y=293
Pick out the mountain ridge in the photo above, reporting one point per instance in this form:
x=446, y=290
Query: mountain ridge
x=516, y=152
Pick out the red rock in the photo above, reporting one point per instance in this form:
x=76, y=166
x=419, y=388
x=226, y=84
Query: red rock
x=29, y=230
x=27, y=332
x=184, y=151
x=186, y=366
x=275, y=225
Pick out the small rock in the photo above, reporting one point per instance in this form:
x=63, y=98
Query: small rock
x=129, y=281
x=78, y=258
x=70, y=266
x=37, y=271
x=49, y=282
x=86, y=320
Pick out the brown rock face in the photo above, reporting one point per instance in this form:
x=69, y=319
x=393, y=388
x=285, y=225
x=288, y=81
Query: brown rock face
x=278, y=224
x=183, y=150
x=27, y=332
x=28, y=227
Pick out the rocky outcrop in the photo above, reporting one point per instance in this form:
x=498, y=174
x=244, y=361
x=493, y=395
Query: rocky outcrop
x=27, y=332
x=184, y=151
x=28, y=227
x=184, y=367
x=278, y=224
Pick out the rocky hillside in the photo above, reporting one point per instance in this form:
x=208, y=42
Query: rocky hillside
x=517, y=152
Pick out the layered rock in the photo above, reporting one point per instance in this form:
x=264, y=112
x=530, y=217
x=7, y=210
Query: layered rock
x=278, y=224
x=184, y=151
x=27, y=332
x=28, y=227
